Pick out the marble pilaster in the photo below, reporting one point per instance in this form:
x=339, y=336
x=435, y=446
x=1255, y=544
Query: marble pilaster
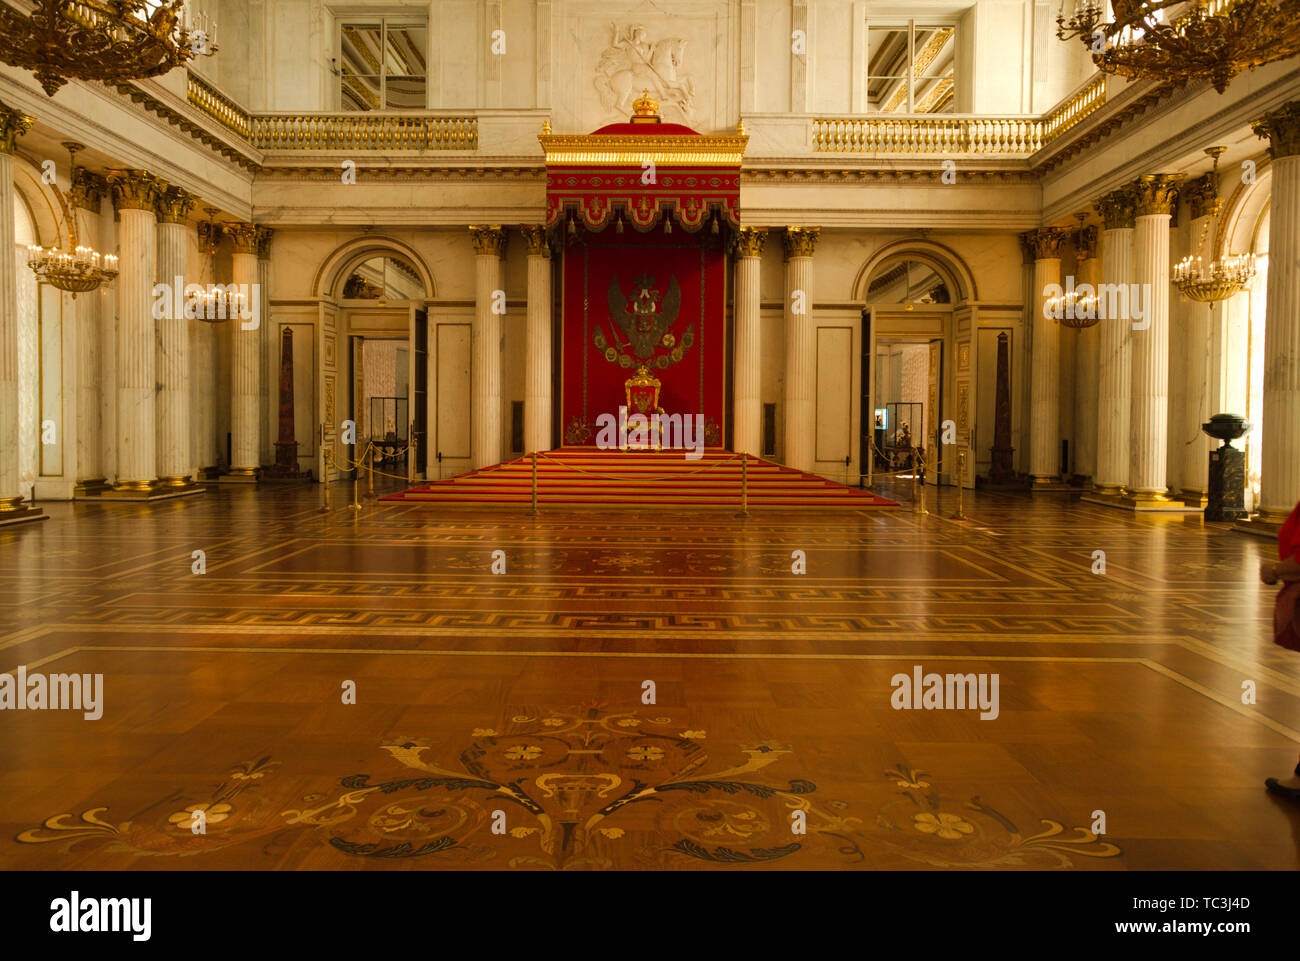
x=537, y=342
x=800, y=354
x=1044, y=396
x=748, y=408
x=485, y=346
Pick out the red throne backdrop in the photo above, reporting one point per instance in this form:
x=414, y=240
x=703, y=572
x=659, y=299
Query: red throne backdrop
x=655, y=300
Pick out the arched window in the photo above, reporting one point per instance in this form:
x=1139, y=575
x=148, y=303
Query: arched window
x=383, y=278
x=907, y=282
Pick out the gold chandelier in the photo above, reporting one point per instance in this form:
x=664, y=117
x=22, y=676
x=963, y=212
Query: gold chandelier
x=1213, y=40
x=78, y=269
x=108, y=40
x=1219, y=279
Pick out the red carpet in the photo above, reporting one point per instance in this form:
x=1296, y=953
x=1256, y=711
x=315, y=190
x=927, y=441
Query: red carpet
x=586, y=476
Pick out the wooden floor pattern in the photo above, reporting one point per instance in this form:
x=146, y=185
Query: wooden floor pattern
x=499, y=718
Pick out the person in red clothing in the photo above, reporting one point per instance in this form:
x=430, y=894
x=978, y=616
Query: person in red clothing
x=1286, y=615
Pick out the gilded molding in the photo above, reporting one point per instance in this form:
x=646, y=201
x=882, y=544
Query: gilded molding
x=750, y=241
x=614, y=150
x=13, y=125
x=87, y=189
x=539, y=245
x=209, y=237
x=135, y=189
x=800, y=241
x=1118, y=209
x=488, y=240
x=264, y=235
x=1282, y=128
x=1156, y=193
x=1202, y=195
x=243, y=236
x=173, y=205
x=1045, y=242
x=1085, y=242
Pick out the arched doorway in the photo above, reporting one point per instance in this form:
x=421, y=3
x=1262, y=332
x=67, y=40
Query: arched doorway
x=374, y=368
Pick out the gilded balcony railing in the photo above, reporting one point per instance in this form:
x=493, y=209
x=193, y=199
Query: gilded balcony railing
x=333, y=131
x=938, y=134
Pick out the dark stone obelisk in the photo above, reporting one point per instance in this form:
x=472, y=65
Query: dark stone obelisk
x=1002, y=471
x=286, y=448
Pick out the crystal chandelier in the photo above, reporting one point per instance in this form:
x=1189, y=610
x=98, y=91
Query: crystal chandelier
x=1209, y=40
x=78, y=269
x=1073, y=309
x=108, y=40
x=1219, y=279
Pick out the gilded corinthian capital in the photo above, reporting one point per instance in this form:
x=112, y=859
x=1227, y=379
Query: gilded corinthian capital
x=488, y=240
x=1156, y=193
x=174, y=205
x=1045, y=242
x=209, y=237
x=1118, y=209
x=243, y=236
x=134, y=189
x=87, y=189
x=539, y=245
x=1282, y=128
x=800, y=241
x=1203, y=196
x=264, y=235
x=12, y=126
x=750, y=241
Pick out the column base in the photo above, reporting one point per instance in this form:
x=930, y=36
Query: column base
x=142, y=492
x=14, y=511
x=239, y=475
x=1263, y=524
x=1194, y=498
x=175, y=484
x=1153, y=502
x=1050, y=485
x=87, y=488
x=207, y=473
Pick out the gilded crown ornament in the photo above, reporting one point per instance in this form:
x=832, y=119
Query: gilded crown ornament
x=645, y=109
x=77, y=269
x=1210, y=40
x=106, y=40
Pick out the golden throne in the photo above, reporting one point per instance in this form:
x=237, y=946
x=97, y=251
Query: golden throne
x=642, y=390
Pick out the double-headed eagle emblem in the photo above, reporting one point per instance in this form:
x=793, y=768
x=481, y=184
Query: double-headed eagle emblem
x=647, y=316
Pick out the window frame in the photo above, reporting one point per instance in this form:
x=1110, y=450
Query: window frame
x=394, y=18
x=909, y=24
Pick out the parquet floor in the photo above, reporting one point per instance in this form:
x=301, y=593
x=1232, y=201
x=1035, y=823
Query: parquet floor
x=500, y=719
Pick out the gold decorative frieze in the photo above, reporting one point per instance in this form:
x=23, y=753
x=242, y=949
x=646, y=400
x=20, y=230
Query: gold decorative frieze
x=243, y=236
x=1156, y=193
x=134, y=189
x=1282, y=128
x=1203, y=196
x=488, y=240
x=619, y=150
x=174, y=205
x=12, y=126
x=87, y=189
x=800, y=241
x=1118, y=209
x=535, y=239
x=1045, y=242
x=750, y=241
x=1085, y=242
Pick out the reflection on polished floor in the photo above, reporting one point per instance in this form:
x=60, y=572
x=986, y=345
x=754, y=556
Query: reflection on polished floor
x=522, y=692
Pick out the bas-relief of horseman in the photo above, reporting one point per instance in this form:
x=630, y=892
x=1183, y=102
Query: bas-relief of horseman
x=632, y=64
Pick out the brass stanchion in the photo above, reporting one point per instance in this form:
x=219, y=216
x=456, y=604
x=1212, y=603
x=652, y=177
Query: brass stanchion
x=533, y=512
x=744, y=485
x=325, y=481
x=918, y=496
x=961, y=485
x=374, y=454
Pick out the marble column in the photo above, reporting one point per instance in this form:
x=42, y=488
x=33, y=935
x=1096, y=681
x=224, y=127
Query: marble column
x=172, y=424
x=269, y=350
x=537, y=342
x=1149, y=422
x=205, y=451
x=1197, y=336
x=85, y=198
x=747, y=427
x=245, y=357
x=12, y=508
x=1085, y=360
x=135, y=194
x=800, y=356
x=1279, y=482
x=485, y=346
x=1114, y=347
x=1044, y=385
